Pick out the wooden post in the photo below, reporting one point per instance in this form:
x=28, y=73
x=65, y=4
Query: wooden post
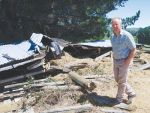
x=82, y=81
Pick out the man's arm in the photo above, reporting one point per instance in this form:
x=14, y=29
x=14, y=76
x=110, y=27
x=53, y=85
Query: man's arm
x=131, y=55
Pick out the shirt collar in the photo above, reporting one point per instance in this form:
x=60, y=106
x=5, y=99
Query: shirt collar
x=121, y=32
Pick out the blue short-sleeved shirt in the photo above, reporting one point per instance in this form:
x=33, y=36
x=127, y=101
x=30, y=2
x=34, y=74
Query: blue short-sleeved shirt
x=122, y=45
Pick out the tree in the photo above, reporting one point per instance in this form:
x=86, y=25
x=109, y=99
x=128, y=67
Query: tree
x=72, y=20
x=144, y=35
x=108, y=34
x=130, y=20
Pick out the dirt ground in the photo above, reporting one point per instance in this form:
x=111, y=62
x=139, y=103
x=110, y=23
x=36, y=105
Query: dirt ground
x=138, y=79
x=106, y=87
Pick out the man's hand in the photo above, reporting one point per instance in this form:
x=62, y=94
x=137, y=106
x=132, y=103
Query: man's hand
x=131, y=55
x=127, y=62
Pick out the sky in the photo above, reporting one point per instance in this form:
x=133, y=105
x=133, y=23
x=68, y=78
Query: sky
x=130, y=9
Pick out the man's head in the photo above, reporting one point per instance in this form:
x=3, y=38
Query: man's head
x=116, y=25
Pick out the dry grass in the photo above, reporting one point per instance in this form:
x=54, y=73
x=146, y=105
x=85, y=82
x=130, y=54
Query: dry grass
x=138, y=79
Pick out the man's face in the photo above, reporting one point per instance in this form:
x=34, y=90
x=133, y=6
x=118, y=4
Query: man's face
x=116, y=25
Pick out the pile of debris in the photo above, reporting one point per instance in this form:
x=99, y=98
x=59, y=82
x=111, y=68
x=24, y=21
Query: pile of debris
x=43, y=55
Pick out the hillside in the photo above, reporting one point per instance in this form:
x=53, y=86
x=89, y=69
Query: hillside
x=133, y=29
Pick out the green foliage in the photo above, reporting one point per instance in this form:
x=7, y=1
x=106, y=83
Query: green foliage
x=134, y=33
x=71, y=20
x=130, y=20
x=143, y=35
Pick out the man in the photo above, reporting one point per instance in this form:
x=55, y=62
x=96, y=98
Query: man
x=124, y=49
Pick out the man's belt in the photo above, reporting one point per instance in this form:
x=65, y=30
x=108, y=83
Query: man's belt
x=120, y=59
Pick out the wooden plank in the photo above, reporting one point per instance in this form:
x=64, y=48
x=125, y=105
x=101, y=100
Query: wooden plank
x=113, y=111
x=12, y=95
x=147, y=46
x=61, y=68
x=65, y=109
x=145, y=66
x=62, y=87
x=35, y=65
x=77, y=62
x=25, y=83
x=22, y=76
x=101, y=56
x=146, y=49
x=98, y=76
x=49, y=84
x=7, y=101
x=82, y=81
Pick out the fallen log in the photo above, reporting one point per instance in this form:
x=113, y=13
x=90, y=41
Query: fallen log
x=82, y=81
x=101, y=56
x=76, y=108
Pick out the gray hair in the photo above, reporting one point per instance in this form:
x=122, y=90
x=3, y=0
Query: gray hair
x=117, y=18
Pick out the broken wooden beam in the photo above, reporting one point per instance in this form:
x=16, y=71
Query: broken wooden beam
x=98, y=76
x=62, y=87
x=35, y=65
x=145, y=66
x=101, y=56
x=37, y=85
x=25, y=83
x=139, y=60
x=11, y=96
x=61, y=68
x=113, y=111
x=22, y=76
x=77, y=62
x=82, y=81
x=48, y=84
x=145, y=49
x=80, y=108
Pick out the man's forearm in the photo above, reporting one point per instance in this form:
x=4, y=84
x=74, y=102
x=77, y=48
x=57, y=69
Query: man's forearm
x=131, y=55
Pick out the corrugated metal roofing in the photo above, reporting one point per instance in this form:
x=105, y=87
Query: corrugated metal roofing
x=21, y=50
x=98, y=43
x=37, y=38
x=17, y=51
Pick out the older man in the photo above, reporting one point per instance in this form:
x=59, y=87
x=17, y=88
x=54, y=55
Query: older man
x=124, y=49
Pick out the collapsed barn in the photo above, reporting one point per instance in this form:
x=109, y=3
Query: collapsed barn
x=40, y=50
x=31, y=57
